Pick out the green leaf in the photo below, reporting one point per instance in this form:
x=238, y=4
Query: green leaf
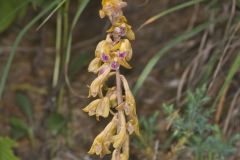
x=19, y=128
x=6, y=145
x=25, y=105
x=11, y=10
x=6, y=16
x=56, y=123
x=238, y=3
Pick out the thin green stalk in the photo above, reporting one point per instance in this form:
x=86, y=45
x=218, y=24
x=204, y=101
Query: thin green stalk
x=82, y=6
x=51, y=14
x=58, y=49
x=171, y=10
x=65, y=16
x=232, y=71
x=65, y=24
x=18, y=40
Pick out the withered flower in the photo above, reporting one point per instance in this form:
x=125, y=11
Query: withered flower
x=102, y=142
x=120, y=138
x=130, y=107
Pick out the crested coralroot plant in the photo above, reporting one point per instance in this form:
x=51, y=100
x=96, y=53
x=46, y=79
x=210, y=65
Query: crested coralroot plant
x=118, y=101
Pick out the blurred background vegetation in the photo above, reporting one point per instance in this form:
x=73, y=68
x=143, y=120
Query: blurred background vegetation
x=186, y=78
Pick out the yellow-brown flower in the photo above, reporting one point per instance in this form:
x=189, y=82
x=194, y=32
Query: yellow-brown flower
x=103, y=141
x=130, y=108
x=97, y=84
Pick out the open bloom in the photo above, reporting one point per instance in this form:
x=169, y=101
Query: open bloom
x=99, y=107
x=104, y=48
x=122, y=29
x=124, y=53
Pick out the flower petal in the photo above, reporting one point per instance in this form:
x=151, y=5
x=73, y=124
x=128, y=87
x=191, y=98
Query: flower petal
x=91, y=108
x=97, y=84
x=131, y=110
x=94, y=65
x=103, y=108
x=126, y=47
x=101, y=143
x=120, y=138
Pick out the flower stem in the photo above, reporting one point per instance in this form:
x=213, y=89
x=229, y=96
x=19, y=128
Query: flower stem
x=119, y=87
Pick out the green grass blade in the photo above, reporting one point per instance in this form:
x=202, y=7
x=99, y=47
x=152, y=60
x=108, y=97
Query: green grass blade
x=82, y=6
x=51, y=14
x=58, y=42
x=233, y=70
x=17, y=41
x=171, y=10
x=153, y=61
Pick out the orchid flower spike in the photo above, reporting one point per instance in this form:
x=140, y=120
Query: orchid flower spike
x=117, y=101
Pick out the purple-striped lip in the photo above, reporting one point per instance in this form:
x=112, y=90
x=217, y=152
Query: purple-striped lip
x=104, y=57
x=115, y=65
x=122, y=54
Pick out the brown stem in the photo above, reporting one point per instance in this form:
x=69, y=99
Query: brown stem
x=119, y=87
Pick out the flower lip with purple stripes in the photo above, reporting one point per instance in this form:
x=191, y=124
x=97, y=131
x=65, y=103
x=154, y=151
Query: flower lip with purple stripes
x=104, y=57
x=115, y=65
x=122, y=55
